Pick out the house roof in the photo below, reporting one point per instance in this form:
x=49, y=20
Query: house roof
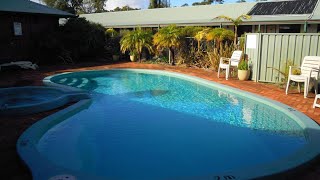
x=262, y=13
x=179, y=15
x=26, y=6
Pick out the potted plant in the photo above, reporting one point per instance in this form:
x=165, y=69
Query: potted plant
x=133, y=55
x=113, y=45
x=115, y=56
x=243, y=70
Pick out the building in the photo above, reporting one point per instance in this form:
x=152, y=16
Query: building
x=289, y=16
x=21, y=23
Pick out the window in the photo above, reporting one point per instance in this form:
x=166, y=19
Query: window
x=271, y=29
x=17, y=28
x=290, y=28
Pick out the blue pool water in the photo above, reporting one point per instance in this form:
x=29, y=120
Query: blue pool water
x=153, y=126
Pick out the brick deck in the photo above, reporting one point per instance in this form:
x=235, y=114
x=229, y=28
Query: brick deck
x=271, y=91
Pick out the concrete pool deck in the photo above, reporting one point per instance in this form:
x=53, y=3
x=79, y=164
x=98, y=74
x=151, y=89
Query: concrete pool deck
x=271, y=91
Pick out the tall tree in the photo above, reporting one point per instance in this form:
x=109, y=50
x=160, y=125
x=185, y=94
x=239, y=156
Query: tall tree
x=125, y=8
x=204, y=2
x=77, y=6
x=236, y=22
x=207, y=2
x=153, y=4
x=98, y=5
x=159, y=4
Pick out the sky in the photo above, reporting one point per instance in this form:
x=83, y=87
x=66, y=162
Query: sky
x=111, y=4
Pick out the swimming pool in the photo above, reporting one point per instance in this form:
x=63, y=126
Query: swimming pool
x=148, y=124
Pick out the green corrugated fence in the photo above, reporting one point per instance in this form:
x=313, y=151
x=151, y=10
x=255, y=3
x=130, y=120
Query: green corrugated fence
x=270, y=51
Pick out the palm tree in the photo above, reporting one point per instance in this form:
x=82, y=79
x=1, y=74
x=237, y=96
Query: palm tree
x=134, y=42
x=236, y=22
x=219, y=35
x=168, y=37
x=201, y=35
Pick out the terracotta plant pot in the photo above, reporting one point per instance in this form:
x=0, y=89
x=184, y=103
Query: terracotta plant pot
x=243, y=75
x=133, y=58
x=115, y=57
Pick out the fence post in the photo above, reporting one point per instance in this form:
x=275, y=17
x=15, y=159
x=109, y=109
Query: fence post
x=258, y=57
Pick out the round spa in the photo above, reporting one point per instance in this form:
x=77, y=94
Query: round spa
x=33, y=99
x=149, y=124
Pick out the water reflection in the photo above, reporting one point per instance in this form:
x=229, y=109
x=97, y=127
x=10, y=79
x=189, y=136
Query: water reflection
x=188, y=97
x=145, y=94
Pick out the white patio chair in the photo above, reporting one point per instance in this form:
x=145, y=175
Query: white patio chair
x=227, y=63
x=315, y=104
x=309, y=71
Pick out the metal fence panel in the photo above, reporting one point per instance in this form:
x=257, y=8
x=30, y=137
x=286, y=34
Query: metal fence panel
x=275, y=50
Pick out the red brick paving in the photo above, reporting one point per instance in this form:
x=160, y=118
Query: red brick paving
x=271, y=91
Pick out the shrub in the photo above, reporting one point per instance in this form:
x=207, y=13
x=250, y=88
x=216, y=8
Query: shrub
x=76, y=40
x=83, y=38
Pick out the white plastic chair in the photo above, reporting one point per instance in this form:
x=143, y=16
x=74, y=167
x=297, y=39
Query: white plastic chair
x=231, y=62
x=309, y=71
x=315, y=104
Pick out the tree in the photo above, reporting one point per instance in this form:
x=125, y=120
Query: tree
x=204, y=2
x=158, y=4
x=168, y=37
x=218, y=1
x=207, y=2
x=240, y=1
x=236, y=22
x=98, y=5
x=184, y=5
x=219, y=35
x=134, y=42
x=77, y=6
x=124, y=8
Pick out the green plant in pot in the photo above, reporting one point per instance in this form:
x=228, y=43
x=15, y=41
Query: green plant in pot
x=115, y=53
x=243, y=70
x=113, y=45
x=133, y=55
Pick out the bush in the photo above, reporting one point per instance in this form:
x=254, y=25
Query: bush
x=76, y=40
x=83, y=38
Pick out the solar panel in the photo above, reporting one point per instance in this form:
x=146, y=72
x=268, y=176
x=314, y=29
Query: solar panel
x=284, y=7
